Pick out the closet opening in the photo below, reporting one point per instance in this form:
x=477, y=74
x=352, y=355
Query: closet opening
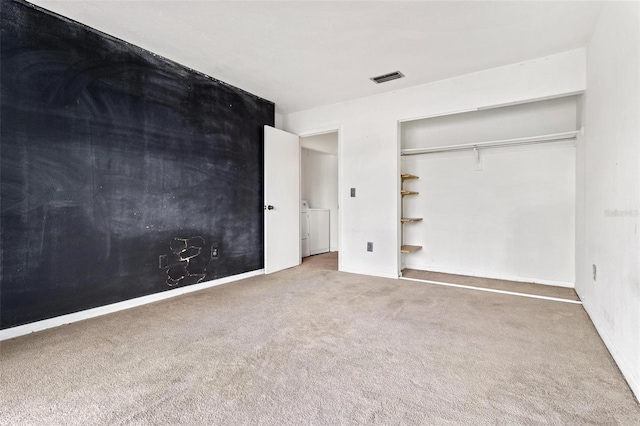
x=488, y=197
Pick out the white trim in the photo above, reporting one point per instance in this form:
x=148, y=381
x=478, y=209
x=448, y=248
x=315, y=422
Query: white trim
x=21, y=330
x=399, y=201
x=492, y=106
x=526, y=280
x=539, y=99
x=438, y=114
x=321, y=131
x=369, y=272
x=626, y=368
x=491, y=290
x=340, y=193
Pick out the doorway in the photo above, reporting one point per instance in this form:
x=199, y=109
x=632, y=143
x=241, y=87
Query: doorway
x=319, y=199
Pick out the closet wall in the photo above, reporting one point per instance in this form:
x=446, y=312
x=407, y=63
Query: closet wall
x=512, y=219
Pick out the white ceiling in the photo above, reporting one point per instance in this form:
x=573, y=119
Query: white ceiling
x=302, y=54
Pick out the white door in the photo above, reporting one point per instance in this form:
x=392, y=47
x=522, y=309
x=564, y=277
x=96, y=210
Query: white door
x=281, y=200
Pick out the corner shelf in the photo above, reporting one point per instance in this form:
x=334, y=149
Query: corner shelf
x=411, y=219
x=407, y=176
x=404, y=248
x=409, y=249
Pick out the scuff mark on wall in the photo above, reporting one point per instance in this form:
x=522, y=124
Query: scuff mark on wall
x=184, y=265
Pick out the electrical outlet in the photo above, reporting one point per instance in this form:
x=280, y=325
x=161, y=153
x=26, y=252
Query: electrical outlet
x=595, y=271
x=162, y=261
x=214, y=252
x=353, y=192
x=369, y=246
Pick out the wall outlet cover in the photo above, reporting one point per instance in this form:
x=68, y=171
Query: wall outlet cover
x=369, y=246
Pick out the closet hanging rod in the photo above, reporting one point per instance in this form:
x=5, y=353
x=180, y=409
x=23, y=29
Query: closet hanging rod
x=555, y=137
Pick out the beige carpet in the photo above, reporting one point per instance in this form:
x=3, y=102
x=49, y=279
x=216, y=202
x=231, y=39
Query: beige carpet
x=314, y=346
x=518, y=287
x=327, y=261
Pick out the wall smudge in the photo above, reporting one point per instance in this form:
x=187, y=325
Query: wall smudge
x=184, y=266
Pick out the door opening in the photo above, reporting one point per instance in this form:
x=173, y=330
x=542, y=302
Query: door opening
x=319, y=212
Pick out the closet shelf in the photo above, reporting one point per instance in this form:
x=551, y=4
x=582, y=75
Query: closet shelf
x=406, y=176
x=403, y=247
x=554, y=137
x=411, y=219
x=409, y=249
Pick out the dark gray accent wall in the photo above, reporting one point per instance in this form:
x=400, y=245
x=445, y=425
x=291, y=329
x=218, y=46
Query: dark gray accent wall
x=123, y=174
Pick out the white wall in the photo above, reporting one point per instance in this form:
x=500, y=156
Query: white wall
x=324, y=142
x=609, y=176
x=320, y=186
x=278, y=121
x=370, y=151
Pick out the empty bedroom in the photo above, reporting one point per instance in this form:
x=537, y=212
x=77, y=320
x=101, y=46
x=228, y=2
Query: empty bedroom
x=319, y=212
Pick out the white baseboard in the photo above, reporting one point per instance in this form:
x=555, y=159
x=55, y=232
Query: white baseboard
x=494, y=276
x=627, y=368
x=369, y=272
x=21, y=330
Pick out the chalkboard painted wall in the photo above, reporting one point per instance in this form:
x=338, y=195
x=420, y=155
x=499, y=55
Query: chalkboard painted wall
x=123, y=174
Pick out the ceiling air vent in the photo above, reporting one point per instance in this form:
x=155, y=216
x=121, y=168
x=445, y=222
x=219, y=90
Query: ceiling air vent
x=387, y=77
